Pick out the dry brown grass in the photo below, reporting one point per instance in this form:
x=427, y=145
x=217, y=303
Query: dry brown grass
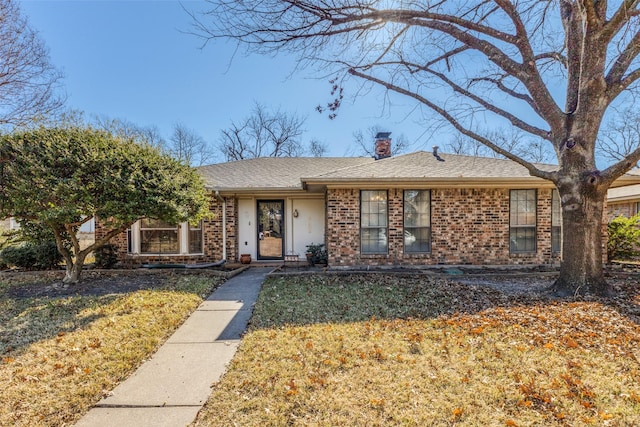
x=59, y=356
x=442, y=354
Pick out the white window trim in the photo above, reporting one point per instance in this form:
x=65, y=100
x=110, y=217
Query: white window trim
x=183, y=239
x=533, y=226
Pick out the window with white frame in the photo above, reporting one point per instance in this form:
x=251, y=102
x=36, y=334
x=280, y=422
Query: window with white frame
x=155, y=237
x=556, y=222
x=417, y=221
x=373, y=222
x=522, y=221
x=195, y=238
x=158, y=237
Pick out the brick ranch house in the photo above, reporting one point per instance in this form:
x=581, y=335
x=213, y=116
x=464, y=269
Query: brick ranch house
x=414, y=209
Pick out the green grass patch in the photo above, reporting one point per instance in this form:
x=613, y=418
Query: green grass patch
x=410, y=351
x=59, y=356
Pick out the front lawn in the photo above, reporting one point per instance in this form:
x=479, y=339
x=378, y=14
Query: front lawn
x=60, y=354
x=384, y=350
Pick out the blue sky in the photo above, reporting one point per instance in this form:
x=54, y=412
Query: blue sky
x=132, y=60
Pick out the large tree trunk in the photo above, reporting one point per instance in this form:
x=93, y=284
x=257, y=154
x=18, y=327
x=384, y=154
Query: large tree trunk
x=582, y=257
x=74, y=269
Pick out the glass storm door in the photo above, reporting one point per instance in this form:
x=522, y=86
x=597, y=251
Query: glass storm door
x=270, y=229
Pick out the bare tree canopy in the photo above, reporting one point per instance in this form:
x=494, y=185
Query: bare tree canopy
x=513, y=140
x=267, y=133
x=28, y=81
x=184, y=143
x=125, y=129
x=620, y=135
x=550, y=68
x=189, y=147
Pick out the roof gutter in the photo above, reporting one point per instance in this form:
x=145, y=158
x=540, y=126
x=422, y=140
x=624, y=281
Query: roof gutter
x=224, y=224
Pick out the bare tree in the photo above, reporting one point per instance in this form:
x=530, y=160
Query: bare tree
x=126, y=129
x=317, y=148
x=620, y=135
x=549, y=68
x=29, y=84
x=364, y=143
x=267, y=134
x=189, y=147
x=184, y=144
x=511, y=139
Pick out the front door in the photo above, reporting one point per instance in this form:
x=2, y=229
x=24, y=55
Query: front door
x=270, y=229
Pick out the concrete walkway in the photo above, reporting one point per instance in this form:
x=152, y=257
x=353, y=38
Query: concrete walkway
x=170, y=388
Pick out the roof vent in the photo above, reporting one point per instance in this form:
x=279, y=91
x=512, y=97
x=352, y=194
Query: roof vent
x=436, y=155
x=383, y=145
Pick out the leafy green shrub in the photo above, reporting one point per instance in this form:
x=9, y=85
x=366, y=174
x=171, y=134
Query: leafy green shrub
x=624, y=238
x=35, y=256
x=47, y=255
x=106, y=256
x=21, y=256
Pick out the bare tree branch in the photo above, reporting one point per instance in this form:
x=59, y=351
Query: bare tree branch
x=29, y=84
x=266, y=134
x=533, y=170
x=189, y=147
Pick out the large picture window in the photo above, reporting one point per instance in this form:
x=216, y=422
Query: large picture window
x=160, y=238
x=417, y=221
x=522, y=221
x=373, y=222
x=556, y=222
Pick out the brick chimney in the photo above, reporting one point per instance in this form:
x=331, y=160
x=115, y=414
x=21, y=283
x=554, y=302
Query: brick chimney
x=383, y=145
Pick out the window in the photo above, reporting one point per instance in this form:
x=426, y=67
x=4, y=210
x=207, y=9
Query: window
x=417, y=221
x=154, y=237
x=129, y=241
x=158, y=237
x=522, y=221
x=373, y=222
x=195, y=238
x=556, y=222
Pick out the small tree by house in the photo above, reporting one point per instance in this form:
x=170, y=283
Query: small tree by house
x=59, y=178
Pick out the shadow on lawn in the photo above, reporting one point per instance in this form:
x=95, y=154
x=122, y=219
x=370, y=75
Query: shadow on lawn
x=325, y=298
x=36, y=306
x=29, y=320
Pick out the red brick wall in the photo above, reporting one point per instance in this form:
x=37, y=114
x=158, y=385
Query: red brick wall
x=625, y=208
x=213, y=230
x=468, y=226
x=343, y=226
x=212, y=245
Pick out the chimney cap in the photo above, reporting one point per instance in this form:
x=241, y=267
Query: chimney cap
x=383, y=135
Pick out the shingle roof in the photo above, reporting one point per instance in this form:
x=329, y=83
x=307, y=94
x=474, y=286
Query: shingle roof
x=295, y=173
x=272, y=172
x=422, y=165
